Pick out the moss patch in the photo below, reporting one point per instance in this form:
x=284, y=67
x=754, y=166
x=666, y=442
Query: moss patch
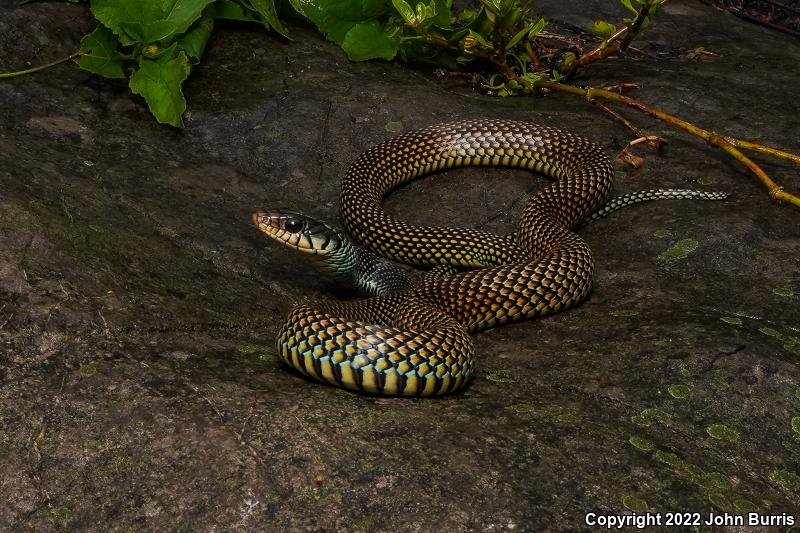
x=723, y=432
x=792, y=345
x=649, y=416
x=785, y=479
x=249, y=348
x=634, y=503
x=59, y=517
x=679, y=391
x=661, y=233
x=679, y=251
x=783, y=292
x=770, y=332
x=393, y=126
x=641, y=443
x=87, y=370
x=745, y=506
x=523, y=408
x=502, y=376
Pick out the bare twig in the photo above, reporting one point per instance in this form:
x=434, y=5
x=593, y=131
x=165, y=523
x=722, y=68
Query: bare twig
x=766, y=150
x=105, y=324
x=741, y=14
x=794, y=10
x=653, y=141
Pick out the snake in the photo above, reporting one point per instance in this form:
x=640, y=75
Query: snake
x=413, y=337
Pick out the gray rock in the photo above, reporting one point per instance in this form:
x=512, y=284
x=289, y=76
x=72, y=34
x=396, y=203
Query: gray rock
x=138, y=305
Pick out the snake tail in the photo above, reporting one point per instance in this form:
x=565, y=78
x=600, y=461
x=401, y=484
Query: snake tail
x=632, y=198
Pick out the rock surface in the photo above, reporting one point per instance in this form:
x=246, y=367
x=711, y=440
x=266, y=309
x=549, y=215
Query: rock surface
x=139, y=385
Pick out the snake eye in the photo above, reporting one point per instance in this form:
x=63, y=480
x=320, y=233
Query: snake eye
x=293, y=225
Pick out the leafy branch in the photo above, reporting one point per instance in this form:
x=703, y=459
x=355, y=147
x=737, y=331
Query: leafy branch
x=497, y=46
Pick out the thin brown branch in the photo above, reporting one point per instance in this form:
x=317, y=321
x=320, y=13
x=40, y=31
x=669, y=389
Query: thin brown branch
x=654, y=141
x=766, y=150
x=727, y=144
x=783, y=6
x=618, y=42
x=767, y=24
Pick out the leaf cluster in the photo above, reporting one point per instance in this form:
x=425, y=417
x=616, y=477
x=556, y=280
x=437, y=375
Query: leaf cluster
x=155, y=43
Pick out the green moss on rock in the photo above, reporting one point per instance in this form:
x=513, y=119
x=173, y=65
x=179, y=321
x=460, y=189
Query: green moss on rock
x=641, y=443
x=679, y=391
x=635, y=503
x=679, y=251
x=745, y=506
x=785, y=479
x=60, y=517
x=88, y=370
x=502, y=376
x=770, y=332
x=624, y=312
x=651, y=415
x=783, y=292
x=724, y=432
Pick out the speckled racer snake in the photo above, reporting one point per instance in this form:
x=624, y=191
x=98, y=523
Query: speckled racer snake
x=413, y=338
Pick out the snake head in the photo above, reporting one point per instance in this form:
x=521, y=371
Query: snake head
x=299, y=231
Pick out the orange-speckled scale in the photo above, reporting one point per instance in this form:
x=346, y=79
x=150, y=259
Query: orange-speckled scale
x=416, y=342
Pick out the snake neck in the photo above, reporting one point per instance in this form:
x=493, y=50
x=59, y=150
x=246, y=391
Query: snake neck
x=355, y=267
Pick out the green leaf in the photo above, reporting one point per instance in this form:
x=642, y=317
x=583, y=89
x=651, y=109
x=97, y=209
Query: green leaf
x=441, y=16
x=146, y=21
x=468, y=15
x=227, y=9
x=426, y=12
x=405, y=11
x=537, y=28
x=298, y=6
x=373, y=8
x=603, y=29
x=495, y=6
x=114, y=13
x=148, y=32
x=269, y=15
x=627, y=3
x=335, y=18
x=194, y=41
x=518, y=37
x=160, y=82
x=153, y=51
x=183, y=13
x=529, y=31
x=99, y=53
x=368, y=41
x=531, y=77
x=479, y=38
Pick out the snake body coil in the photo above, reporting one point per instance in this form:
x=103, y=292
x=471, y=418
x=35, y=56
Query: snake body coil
x=414, y=340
